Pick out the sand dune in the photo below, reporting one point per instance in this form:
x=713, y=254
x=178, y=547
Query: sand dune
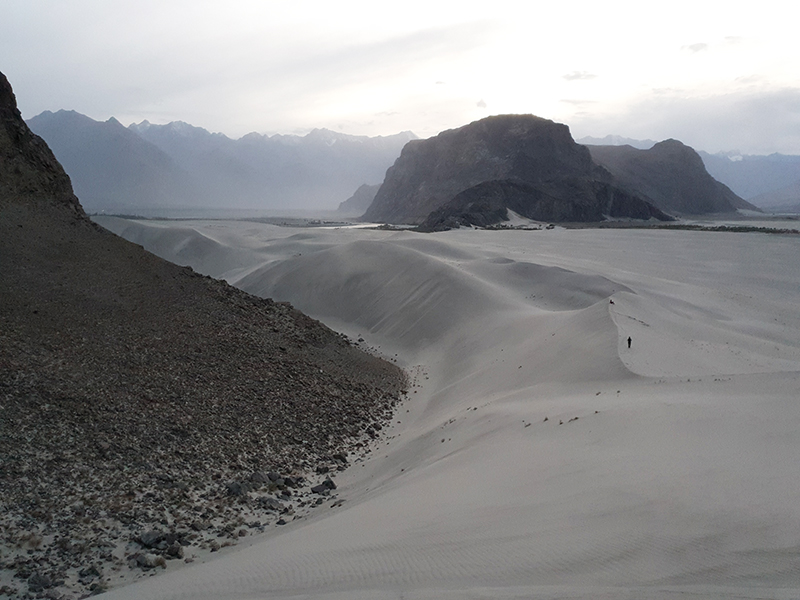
x=538, y=456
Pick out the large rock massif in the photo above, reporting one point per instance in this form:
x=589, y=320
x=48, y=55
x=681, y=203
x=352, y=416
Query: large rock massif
x=145, y=408
x=522, y=162
x=671, y=175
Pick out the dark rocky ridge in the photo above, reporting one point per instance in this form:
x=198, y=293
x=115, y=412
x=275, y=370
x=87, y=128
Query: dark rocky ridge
x=532, y=161
x=136, y=395
x=488, y=203
x=28, y=168
x=671, y=175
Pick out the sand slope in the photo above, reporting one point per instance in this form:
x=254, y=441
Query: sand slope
x=677, y=479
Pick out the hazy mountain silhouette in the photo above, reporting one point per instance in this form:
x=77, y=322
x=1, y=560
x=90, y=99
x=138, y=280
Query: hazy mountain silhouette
x=177, y=165
x=357, y=204
x=317, y=170
x=113, y=168
x=753, y=177
x=616, y=140
x=785, y=200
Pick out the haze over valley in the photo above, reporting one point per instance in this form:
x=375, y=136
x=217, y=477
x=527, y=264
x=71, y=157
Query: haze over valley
x=147, y=167
x=178, y=170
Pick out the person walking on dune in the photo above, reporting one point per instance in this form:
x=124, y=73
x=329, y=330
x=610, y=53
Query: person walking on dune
x=629, y=341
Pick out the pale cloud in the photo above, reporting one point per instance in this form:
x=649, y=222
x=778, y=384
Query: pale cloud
x=579, y=76
x=700, y=47
x=480, y=103
x=750, y=80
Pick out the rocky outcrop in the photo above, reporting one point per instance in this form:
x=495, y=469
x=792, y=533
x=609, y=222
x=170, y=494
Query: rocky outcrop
x=671, y=175
x=138, y=395
x=359, y=202
x=523, y=158
x=488, y=204
x=28, y=168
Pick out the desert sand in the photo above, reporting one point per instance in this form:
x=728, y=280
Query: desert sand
x=538, y=455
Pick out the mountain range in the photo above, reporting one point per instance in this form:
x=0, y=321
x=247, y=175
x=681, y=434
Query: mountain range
x=178, y=168
x=145, y=166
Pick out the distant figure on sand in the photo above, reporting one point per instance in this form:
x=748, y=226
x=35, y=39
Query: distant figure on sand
x=629, y=341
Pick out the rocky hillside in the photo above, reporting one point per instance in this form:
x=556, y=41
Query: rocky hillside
x=671, y=175
x=144, y=409
x=488, y=204
x=532, y=160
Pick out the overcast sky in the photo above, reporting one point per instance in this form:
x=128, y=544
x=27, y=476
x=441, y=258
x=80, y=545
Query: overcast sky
x=716, y=75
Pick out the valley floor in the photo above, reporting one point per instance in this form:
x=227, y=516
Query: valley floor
x=538, y=456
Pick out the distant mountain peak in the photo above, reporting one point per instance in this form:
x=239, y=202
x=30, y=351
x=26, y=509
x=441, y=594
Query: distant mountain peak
x=183, y=127
x=670, y=142
x=616, y=140
x=254, y=135
x=727, y=155
x=173, y=128
x=331, y=137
